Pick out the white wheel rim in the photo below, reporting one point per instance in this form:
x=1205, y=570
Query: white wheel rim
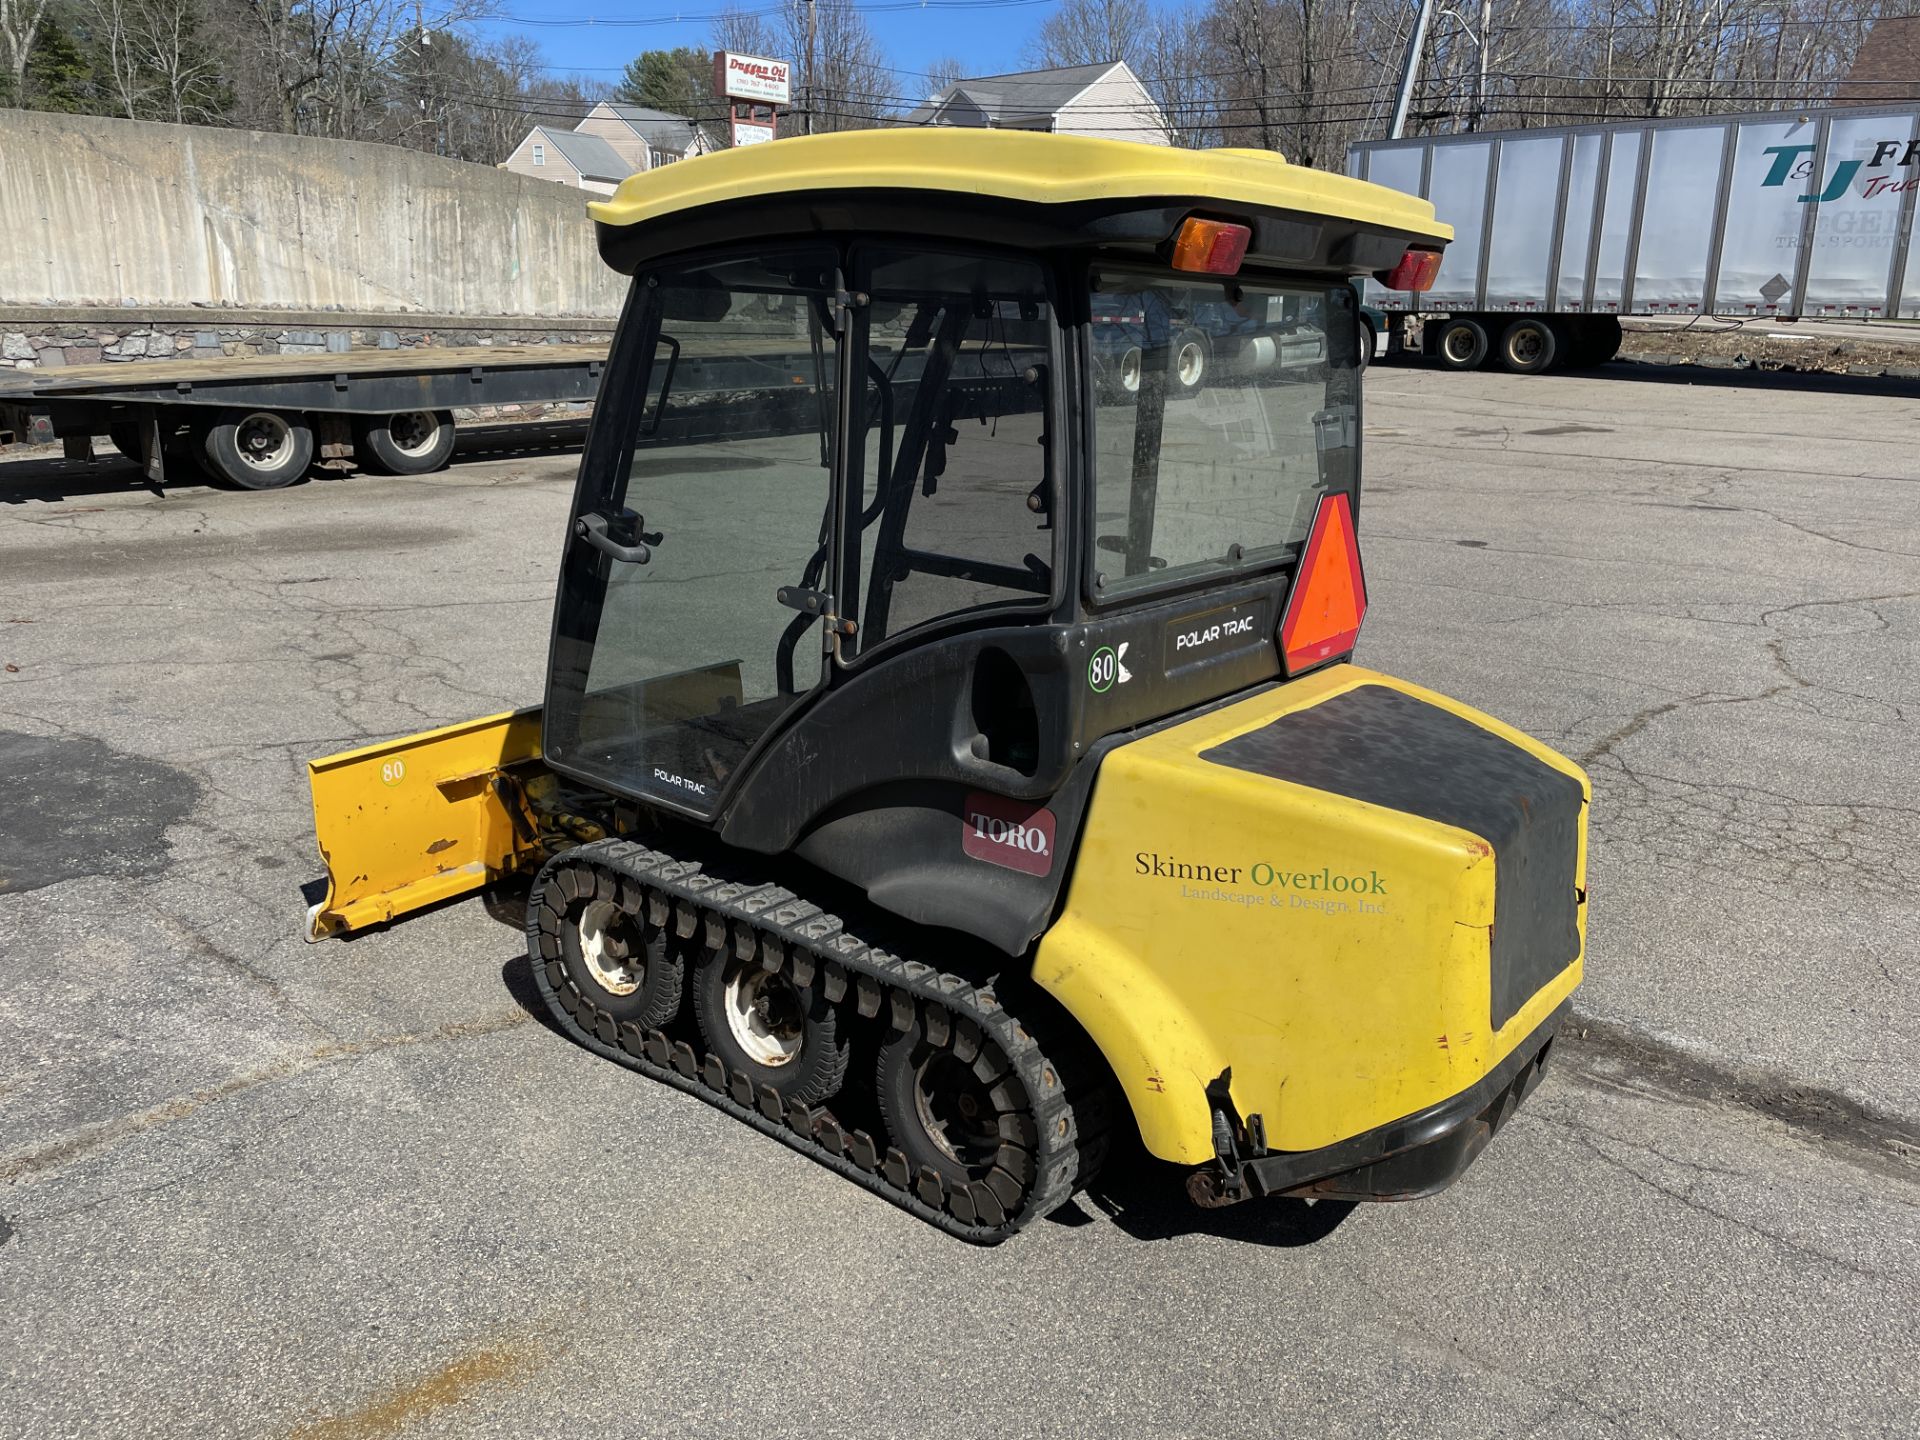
x=1190, y=363
x=762, y=1015
x=413, y=432
x=604, y=952
x=264, y=440
x=1130, y=372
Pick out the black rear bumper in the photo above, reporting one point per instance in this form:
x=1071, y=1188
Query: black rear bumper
x=1418, y=1155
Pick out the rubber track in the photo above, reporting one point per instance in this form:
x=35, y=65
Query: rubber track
x=791, y=935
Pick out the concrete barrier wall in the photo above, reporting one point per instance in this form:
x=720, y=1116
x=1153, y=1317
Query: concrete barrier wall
x=122, y=213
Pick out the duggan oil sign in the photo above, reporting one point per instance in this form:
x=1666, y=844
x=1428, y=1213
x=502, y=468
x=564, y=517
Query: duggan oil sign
x=752, y=77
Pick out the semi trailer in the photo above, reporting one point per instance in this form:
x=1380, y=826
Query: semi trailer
x=261, y=422
x=1559, y=232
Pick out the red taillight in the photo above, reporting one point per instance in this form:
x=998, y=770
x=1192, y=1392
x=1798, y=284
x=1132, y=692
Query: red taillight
x=1417, y=270
x=1210, y=247
x=1329, y=596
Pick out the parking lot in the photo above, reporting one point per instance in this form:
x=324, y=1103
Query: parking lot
x=254, y=1187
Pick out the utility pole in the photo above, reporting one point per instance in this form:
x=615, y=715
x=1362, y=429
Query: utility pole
x=1410, y=70
x=812, y=13
x=1480, y=84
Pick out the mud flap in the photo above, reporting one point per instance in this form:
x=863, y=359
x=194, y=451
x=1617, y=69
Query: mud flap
x=410, y=822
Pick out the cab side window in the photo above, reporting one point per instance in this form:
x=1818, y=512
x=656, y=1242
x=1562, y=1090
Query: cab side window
x=954, y=497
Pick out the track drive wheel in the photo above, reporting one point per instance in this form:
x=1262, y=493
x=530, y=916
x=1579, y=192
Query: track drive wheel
x=628, y=969
x=994, y=1134
x=762, y=1024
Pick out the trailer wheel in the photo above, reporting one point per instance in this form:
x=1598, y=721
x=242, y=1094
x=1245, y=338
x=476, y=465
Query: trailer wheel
x=1190, y=360
x=1595, y=340
x=258, y=449
x=1460, y=343
x=1367, y=341
x=411, y=442
x=125, y=435
x=763, y=1024
x=1528, y=345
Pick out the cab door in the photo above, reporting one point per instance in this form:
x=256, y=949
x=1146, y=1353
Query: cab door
x=689, y=615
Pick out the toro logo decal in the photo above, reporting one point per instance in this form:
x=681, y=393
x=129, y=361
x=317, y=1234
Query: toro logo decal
x=1013, y=834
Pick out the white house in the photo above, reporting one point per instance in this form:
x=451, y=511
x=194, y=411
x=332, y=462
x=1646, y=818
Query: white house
x=1105, y=101
x=584, y=161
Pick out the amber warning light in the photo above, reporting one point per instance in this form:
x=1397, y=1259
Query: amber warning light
x=1329, y=597
x=1417, y=270
x=1210, y=247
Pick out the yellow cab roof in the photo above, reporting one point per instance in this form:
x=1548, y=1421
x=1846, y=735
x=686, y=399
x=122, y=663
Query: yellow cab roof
x=1014, y=165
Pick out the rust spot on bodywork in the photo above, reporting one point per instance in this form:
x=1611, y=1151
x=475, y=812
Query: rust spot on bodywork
x=401, y=1405
x=439, y=845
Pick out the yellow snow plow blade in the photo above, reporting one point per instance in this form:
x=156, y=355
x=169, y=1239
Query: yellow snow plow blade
x=410, y=822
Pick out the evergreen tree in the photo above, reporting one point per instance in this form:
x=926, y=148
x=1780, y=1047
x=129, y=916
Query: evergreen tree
x=678, y=81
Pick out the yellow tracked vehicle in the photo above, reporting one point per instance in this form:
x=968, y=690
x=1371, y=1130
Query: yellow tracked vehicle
x=951, y=755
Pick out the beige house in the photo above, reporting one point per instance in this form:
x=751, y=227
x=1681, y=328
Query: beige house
x=586, y=162
x=1105, y=101
x=645, y=138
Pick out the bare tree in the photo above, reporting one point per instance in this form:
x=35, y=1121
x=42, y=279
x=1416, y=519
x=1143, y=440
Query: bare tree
x=1172, y=66
x=743, y=30
x=839, y=73
x=1092, y=32
x=156, y=64
x=941, y=73
x=19, y=24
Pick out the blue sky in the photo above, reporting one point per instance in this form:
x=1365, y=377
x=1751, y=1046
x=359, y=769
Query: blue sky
x=985, y=35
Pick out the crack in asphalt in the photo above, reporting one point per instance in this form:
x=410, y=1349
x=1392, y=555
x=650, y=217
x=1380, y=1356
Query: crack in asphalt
x=1866, y=1136
x=89, y=1139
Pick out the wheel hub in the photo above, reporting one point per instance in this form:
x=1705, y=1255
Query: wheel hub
x=764, y=1015
x=604, y=949
x=263, y=440
x=413, y=432
x=1188, y=364
x=953, y=1107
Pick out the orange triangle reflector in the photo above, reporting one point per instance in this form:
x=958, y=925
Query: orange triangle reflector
x=1329, y=596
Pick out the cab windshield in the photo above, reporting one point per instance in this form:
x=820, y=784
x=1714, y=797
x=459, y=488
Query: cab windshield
x=1222, y=412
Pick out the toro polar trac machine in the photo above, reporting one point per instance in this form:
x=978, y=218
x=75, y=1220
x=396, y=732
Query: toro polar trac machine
x=951, y=752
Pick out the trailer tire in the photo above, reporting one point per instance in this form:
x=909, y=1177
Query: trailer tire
x=257, y=449
x=1460, y=343
x=410, y=442
x=125, y=435
x=1189, y=363
x=1528, y=345
x=1596, y=340
x=1367, y=341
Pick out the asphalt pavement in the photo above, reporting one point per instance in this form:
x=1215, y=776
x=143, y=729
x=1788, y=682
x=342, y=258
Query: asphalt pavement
x=251, y=1187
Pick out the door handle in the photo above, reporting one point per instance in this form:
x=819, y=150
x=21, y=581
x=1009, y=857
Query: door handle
x=597, y=531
